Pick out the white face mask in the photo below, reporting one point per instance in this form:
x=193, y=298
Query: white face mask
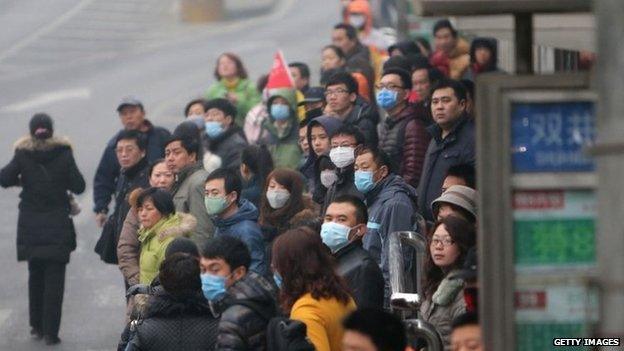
x=328, y=178
x=357, y=21
x=342, y=156
x=277, y=198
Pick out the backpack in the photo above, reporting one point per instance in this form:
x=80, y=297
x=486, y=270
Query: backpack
x=283, y=334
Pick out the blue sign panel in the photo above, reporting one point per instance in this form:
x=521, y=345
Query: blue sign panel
x=550, y=137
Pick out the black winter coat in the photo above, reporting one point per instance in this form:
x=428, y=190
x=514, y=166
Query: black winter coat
x=343, y=186
x=108, y=170
x=132, y=178
x=365, y=117
x=46, y=171
x=458, y=147
x=181, y=324
x=362, y=275
x=228, y=146
x=241, y=327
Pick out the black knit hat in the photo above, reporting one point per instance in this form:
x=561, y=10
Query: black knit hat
x=41, y=126
x=183, y=245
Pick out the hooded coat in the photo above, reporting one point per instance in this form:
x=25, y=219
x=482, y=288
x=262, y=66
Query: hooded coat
x=154, y=242
x=391, y=207
x=243, y=225
x=283, y=145
x=309, y=169
x=228, y=146
x=458, y=147
x=176, y=323
x=46, y=171
x=108, y=169
x=241, y=327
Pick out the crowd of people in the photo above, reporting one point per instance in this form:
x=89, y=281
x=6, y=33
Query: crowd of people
x=262, y=222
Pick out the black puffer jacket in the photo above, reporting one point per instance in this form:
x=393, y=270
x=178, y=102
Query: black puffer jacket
x=129, y=179
x=181, y=324
x=46, y=170
x=228, y=146
x=241, y=327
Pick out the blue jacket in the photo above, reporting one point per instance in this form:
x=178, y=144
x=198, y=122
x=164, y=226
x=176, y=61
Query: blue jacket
x=391, y=207
x=243, y=225
x=108, y=170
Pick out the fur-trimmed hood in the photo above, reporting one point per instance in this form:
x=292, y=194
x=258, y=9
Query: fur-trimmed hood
x=188, y=223
x=28, y=143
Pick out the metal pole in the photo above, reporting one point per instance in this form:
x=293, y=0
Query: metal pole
x=610, y=238
x=523, y=30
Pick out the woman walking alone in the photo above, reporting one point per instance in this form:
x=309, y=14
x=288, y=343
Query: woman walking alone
x=44, y=167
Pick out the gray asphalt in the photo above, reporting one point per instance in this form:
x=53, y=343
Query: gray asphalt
x=77, y=68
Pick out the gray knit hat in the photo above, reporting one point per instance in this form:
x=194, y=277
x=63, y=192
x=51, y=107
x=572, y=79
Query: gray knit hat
x=460, y=196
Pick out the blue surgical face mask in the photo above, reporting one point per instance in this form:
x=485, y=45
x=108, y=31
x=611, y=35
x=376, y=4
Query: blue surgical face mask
x=363, y=181
x=198, y=120
x=387, y=98
x=277, y=279
x=213, y=286
x=280, y=112
x=213, y=129
x=335, y=235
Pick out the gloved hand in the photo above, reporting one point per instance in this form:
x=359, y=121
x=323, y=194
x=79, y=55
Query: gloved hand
x=139, y=289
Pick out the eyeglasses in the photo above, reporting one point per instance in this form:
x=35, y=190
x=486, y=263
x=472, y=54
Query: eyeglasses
x=335, y=92
x=388, y=86
x=446, y=242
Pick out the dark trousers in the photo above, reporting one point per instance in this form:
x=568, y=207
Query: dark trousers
x=46, y=285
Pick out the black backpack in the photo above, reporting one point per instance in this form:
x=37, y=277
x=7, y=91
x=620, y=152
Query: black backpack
x=283, y=334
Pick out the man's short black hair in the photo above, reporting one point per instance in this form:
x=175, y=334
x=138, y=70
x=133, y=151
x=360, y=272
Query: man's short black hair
x=384, y=329
x=135, y=135
x=223, y=105
x=188, y=136
x=343, y=78
x=444, y=23
x=179, y=275
x=361, y=211
x=466, y=172
x=232, y=250
x=468, y=318
x=406, y=79
x=350, y=130
x=349, y=29
x=458, y=88
x=162, y=200
x=420, y=62
x=303, y=68
x=379, y=156
x=191, y=103
x=231, y=180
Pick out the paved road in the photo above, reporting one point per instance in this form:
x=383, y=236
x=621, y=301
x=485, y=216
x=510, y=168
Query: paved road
x=75, y=60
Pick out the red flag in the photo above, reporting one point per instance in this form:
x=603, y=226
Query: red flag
x=280, y=77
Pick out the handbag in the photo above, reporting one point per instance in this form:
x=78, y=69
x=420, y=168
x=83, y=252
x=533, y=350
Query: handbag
x=106, y=246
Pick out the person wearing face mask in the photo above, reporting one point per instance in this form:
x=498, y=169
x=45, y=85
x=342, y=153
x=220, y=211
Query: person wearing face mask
x=281, y=127
x=234, y=216
x=222, y=137
x=238, y=293
x=283, y=204
x=402, y=136
x=443, y=301
x=342, y=231
x=320, y=129
x=342, y=155
x=391, y=205
x=194, y=112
